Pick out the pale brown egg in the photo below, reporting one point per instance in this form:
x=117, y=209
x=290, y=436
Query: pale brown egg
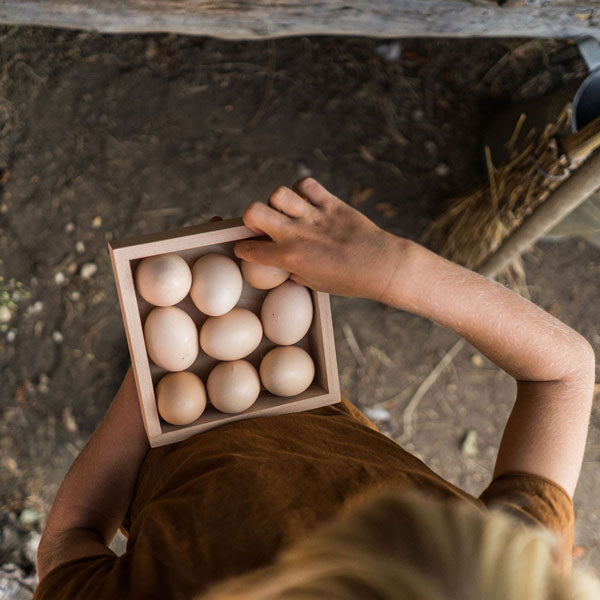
x=216, y=284
x=181, y=398
x=287, y=370
x=233, y=386
x=287, y=313
x=171, y=338
x=231, y=336
x=263, y=277
x=163, y=280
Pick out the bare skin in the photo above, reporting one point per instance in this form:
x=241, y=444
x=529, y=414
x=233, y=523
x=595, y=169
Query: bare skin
x=329, y=246
x=314, y=234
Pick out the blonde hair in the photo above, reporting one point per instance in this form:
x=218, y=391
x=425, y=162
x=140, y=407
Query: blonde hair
x=406, y=546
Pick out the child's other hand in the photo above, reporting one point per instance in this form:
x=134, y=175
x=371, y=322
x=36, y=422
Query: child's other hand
x=326, y=244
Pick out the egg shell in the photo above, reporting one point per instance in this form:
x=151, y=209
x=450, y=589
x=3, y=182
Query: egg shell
x=163, y=280
x=181, y=398
x=263, y=277
x=287, y=370
x=216, y=284
x=231, y=336
x=171, y=338
x=287, y=313
x=233, y=386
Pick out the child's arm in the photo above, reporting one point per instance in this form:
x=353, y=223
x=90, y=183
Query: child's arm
x=98, y=488
x=329, y=246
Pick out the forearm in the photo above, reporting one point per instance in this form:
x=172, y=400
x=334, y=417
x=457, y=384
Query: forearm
x=99, y=485
x=521, y=338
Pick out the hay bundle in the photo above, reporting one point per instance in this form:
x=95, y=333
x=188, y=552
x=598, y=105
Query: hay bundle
x=475, y=226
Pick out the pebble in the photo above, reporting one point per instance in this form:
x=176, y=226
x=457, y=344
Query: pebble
x=97, y=222
x=58, y=337
x=303, y=171
x=35, y=308
x=75, y=296
x=68, y=420
x=377, y=414
x=29, y=516
x=43, y=386
x=59, y=278
x=30, y=547
x=442, y=170
x=430, y=147
x=88, y=270
x=69, y=227
x=11, y=335
x=79, y=247
x=418, y=115
x=389, y=51
x=5, y=314
x=477, y=360
x=469, y=445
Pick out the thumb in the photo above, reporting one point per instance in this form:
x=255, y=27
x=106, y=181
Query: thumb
x=257, y=251
x=297, y=279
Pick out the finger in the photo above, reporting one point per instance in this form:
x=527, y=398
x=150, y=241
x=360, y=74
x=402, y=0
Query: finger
x=299, y=280
x=289, y=203
x=313, y=191
x=257, y=251
x=213, y=219
x=264, y=219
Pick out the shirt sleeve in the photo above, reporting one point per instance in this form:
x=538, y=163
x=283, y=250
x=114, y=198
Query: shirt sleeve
x=90, y=577
x=537, y=501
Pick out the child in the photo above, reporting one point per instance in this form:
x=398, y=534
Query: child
x=225, y=502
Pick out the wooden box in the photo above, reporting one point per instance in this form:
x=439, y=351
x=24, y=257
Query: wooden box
x=191, y=243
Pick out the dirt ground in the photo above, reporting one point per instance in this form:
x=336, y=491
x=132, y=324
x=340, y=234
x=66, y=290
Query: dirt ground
x=103, y=137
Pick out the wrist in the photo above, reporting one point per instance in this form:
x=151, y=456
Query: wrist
x=400, y=257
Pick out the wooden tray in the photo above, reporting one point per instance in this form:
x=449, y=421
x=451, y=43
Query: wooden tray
x=191, y=243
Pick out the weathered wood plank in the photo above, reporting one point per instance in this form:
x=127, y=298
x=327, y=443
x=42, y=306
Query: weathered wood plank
x=247, y=19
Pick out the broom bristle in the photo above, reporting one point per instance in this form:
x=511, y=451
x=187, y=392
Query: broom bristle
x=475, y=225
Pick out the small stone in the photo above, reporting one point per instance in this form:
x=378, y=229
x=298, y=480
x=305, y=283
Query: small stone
x=303, y=171
x=377, y=414
x=35, y=308
x=430, y=147
x=29, y=516
x=88, y=270
x=469, y=445
x=418, y=115
x=68, y=420
x=69, y=227
x=79, y=247
x=8, y=462
x=30, y=547
x=58, y=337
x=389, y=51
x=59, y=278
x=5, y=314
x=442, y=170
x=75, y=295
x=43, y=386
x=477, y=360
x=11, y=335
x=97, y=222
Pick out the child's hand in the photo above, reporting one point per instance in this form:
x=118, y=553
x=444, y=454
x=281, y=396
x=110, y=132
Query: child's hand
x=325, y=244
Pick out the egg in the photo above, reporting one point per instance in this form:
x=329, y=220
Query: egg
x=287, y=313
x=263, y=277
x=216, y=284
x=231, y=336
x=181, y=398
x=171, y=338
x=163, y=280
x=233, y=386
x=287, y=370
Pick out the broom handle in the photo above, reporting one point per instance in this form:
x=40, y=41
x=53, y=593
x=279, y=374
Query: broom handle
x=577, y=189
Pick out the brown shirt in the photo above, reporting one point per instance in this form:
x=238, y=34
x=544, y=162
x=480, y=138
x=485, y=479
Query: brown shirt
x=226, y=501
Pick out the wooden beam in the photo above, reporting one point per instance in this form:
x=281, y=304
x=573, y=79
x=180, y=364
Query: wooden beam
x=251, y=19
